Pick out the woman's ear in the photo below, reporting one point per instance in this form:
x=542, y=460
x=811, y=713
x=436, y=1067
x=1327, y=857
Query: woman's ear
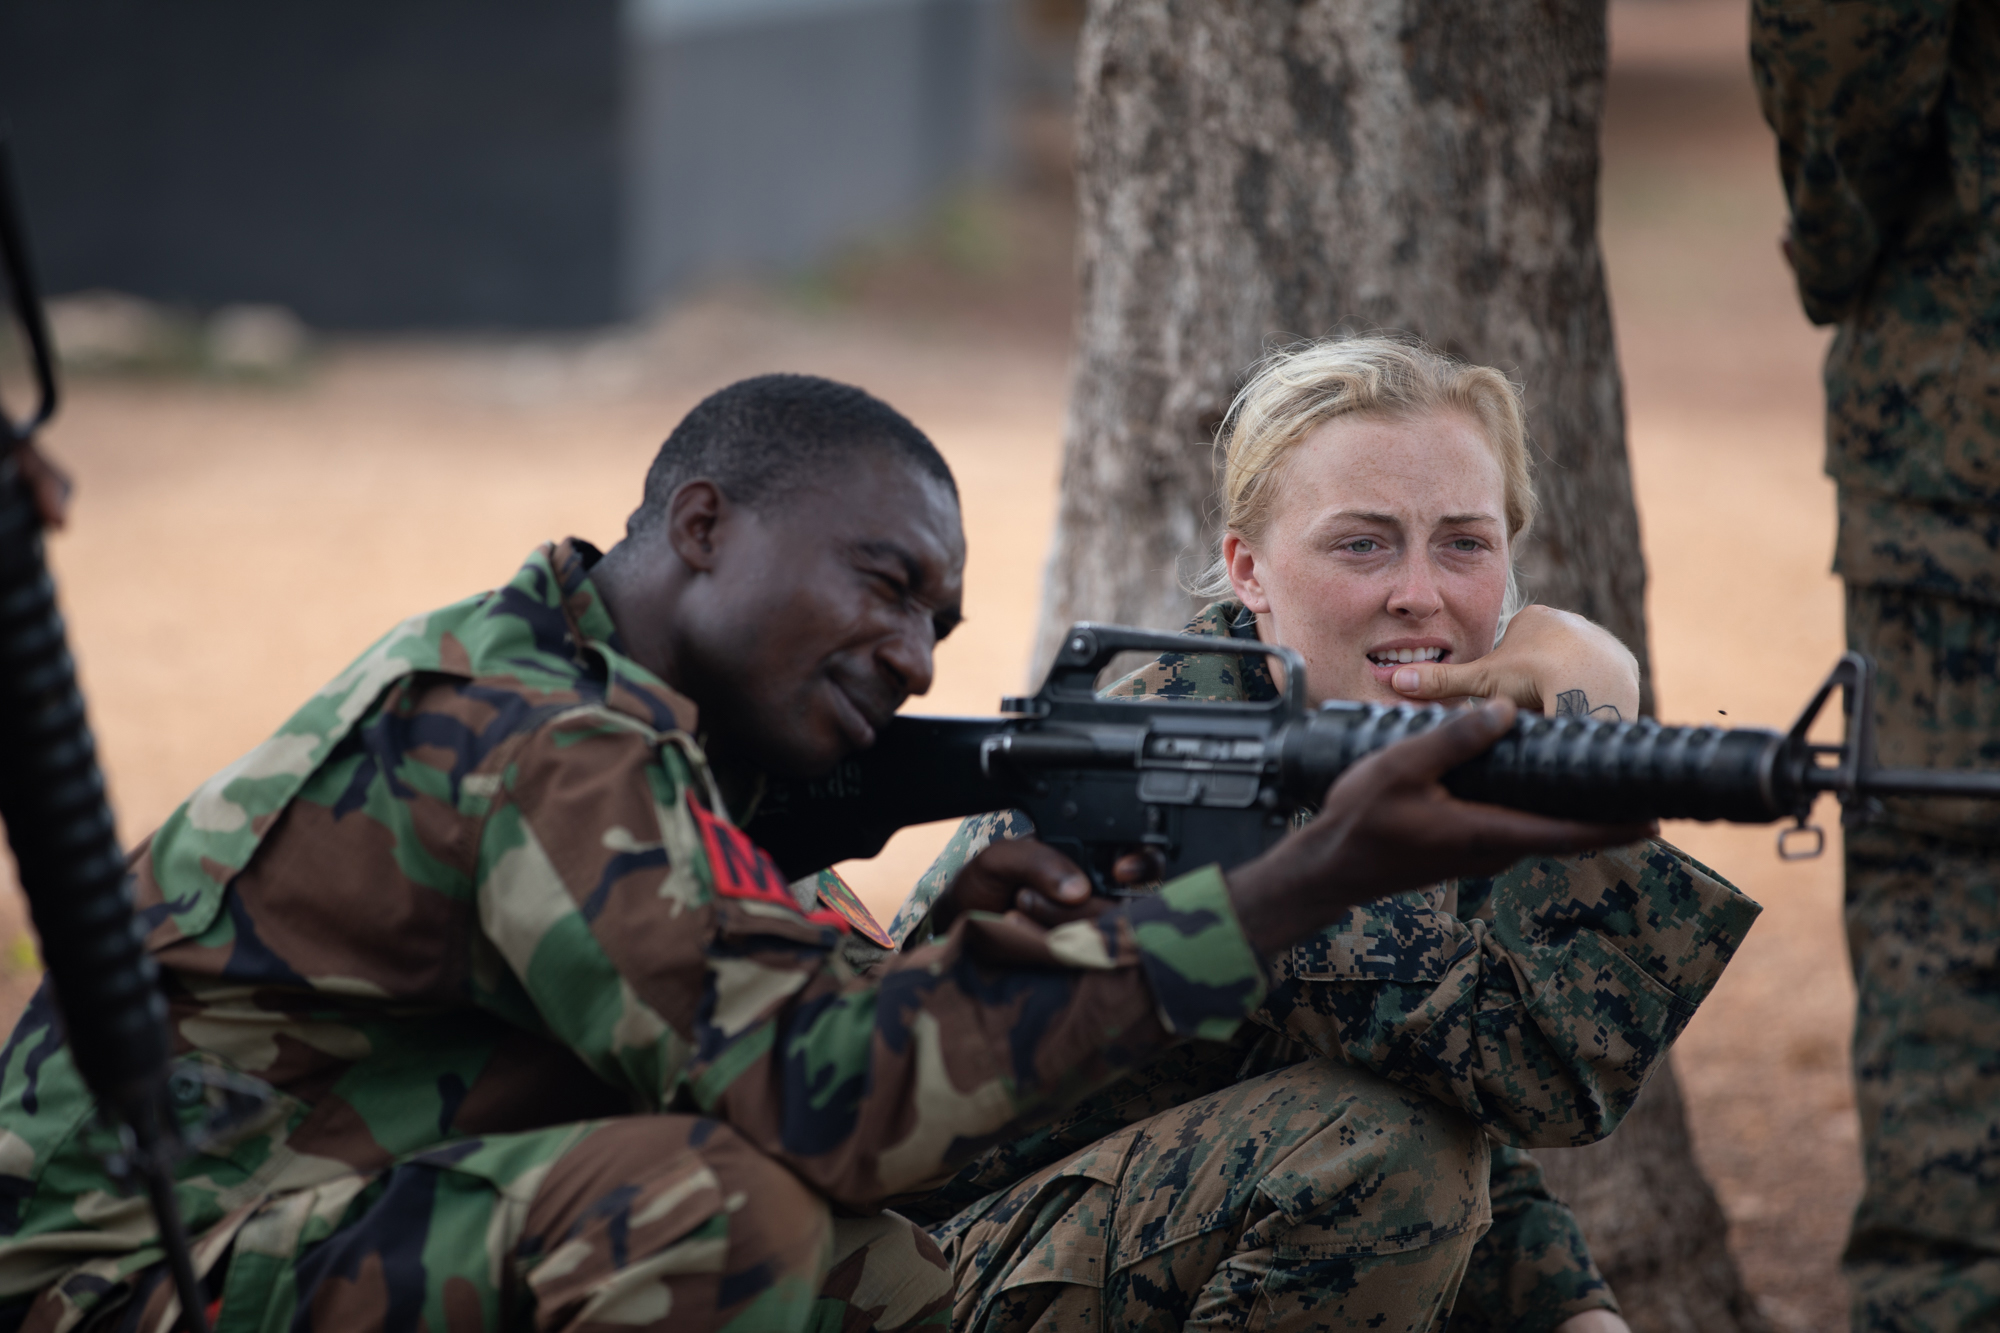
x=1241, y=562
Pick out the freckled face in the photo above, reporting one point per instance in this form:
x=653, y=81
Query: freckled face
x=1387, y=543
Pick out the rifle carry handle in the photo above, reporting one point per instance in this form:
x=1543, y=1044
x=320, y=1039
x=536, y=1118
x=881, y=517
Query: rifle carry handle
x=1089, y=647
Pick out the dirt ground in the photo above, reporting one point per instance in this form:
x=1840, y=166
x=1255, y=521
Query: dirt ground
x=235, y=544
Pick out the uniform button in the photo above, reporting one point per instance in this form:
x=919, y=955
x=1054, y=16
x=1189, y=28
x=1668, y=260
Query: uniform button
x=185, y=1089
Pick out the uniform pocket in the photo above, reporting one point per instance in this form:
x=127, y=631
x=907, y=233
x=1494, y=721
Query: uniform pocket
x=1391, y=1172
x=1053, y=1227
x=1613, y=1018
x=1075, y=1247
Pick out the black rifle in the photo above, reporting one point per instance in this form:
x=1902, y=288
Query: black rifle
x=1219, y=782
x=59, y=824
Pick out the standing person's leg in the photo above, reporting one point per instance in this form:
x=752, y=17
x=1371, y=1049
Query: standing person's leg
x=1319, y=1196
x=1923, y=923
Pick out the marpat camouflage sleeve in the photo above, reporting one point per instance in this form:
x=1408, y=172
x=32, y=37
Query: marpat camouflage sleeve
x=1543, y=1021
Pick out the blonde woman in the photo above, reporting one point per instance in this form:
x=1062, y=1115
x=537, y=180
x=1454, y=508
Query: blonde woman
x=1375, y=493
x=1329, y=1169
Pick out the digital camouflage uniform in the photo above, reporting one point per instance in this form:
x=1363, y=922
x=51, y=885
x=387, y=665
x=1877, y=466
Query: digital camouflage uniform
x=545, y=1041
x=1888, y=124
x=1326, y=1168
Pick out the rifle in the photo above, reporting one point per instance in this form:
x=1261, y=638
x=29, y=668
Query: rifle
x=1203, y=782
x=59, y=824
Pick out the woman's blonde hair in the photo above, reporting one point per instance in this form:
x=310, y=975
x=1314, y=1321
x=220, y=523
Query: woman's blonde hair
x=1296, y=389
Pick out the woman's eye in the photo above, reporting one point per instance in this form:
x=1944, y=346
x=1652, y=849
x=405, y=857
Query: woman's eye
x=1465, y=544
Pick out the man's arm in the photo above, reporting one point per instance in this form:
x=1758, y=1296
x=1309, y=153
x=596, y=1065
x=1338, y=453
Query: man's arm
x=645, y=935
x=1542, y=1018
x=1851, y=88
x=636, y=926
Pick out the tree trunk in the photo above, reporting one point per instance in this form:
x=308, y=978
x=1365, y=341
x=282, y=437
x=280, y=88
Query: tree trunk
x=1256, y=171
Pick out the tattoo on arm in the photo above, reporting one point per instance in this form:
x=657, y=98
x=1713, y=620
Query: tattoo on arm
x=1575, y=703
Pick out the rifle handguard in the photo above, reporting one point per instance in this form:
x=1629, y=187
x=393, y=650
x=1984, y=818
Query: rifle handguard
x=1574, y=768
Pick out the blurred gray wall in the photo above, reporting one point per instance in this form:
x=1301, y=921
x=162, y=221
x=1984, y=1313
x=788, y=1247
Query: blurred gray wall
x=758, y=131
x=513, y=163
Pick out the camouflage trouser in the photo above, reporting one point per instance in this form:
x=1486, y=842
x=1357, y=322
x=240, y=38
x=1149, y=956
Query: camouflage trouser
x=1316, y=1197
x=652, y=1222
x=1923, y=923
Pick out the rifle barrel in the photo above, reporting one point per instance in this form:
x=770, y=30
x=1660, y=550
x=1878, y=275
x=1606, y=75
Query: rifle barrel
x=1929, y=782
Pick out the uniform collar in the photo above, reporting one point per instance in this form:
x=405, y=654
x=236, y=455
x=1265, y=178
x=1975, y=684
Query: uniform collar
x=1229, y=618
x=628, y=687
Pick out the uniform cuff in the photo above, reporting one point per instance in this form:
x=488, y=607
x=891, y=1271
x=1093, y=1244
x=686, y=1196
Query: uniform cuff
x=1694, y=921
x=1205, y=977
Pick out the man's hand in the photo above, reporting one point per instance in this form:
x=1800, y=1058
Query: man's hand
x=1551, y=661
x=1029, y=879
x=48, y=484
x=1388, y=825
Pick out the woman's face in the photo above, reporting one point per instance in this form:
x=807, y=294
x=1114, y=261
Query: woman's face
x=1387, y=543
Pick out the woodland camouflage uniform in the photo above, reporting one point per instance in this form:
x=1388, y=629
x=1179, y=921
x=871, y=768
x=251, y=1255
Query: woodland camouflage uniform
x=544, y=1040
x=1326, y=1168
x=1888, y=123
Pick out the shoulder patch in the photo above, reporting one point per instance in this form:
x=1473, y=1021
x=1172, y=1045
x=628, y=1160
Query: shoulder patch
x=838, y=895
x=742, y=869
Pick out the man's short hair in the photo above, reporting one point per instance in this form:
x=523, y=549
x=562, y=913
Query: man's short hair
x=761, y=439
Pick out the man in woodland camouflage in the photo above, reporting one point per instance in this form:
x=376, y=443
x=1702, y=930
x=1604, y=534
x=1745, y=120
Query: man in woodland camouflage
x=1212, y=1181
x=487, y=1015
x=1888, y=124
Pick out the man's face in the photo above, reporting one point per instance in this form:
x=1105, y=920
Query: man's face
x=821, y=615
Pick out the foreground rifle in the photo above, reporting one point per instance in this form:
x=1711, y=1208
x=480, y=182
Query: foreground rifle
x=52, y=801
x=1210, y=782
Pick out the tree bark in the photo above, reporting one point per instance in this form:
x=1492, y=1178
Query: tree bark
x=1252, y=172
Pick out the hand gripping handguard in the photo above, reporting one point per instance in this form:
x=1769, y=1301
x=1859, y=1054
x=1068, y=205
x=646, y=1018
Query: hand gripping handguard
x=1206, y=782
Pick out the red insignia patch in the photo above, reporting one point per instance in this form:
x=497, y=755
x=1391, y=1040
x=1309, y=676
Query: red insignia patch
x=742, y=869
